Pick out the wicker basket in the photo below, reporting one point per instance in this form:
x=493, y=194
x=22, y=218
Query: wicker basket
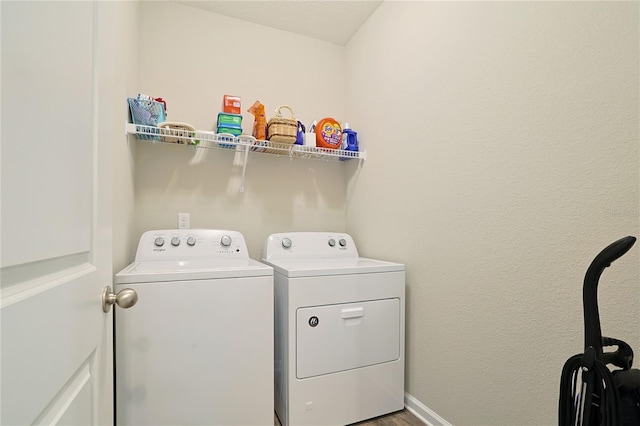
x=282, y=129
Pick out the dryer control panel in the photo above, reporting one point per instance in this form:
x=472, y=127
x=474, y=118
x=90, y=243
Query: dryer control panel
x=309, y=245
x=177, y=244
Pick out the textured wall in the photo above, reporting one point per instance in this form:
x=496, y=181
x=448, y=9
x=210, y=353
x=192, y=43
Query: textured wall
x=191, y=58
x=502, y=143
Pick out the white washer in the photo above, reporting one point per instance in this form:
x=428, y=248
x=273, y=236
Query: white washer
x=339, y=330
x=197, y=348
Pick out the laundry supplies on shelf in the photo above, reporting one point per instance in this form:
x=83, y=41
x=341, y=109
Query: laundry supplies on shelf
x=259, y=120
x=328, y=133
x=349, y=140
x=283, y=129
x=230, y=120
x=147, y=111
x=231, y=104
x=230, y=124
x=177, y=132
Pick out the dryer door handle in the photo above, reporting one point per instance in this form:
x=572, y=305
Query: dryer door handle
x=352, y=312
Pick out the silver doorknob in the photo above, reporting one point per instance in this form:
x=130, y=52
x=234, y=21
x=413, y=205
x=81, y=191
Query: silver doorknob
x=125, y=298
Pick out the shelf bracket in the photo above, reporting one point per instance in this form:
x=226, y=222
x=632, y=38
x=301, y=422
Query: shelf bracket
x=244, y=167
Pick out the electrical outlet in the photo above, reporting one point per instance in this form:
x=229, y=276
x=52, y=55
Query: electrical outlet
x=184, y=221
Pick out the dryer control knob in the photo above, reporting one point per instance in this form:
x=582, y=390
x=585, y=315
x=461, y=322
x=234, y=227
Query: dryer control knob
x=332, y=242
x=225, y=241
x=286, y=243
x=191, y=241
x=159, y=242
x=175, y=241
x=342, y=242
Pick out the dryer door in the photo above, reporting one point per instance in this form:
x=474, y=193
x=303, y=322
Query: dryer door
x=334, y=338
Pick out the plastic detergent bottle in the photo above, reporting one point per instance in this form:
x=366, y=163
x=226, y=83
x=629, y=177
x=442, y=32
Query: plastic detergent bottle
x=349, y=139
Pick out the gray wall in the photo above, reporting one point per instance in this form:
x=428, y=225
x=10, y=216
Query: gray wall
x=502, y=143
x=192, y=63
x=502, y=155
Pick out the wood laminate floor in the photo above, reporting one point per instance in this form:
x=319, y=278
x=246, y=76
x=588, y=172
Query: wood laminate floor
x=399, y=418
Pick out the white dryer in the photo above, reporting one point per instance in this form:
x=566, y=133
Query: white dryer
x=197, y=348
x=339, y=330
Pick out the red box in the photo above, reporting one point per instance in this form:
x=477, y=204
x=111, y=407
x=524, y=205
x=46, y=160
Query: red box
x=231, y=104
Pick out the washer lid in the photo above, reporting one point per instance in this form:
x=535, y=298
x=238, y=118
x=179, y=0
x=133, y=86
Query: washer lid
x=187, y=270
x=321, y=267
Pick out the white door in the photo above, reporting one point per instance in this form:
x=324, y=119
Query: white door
x=56, y=342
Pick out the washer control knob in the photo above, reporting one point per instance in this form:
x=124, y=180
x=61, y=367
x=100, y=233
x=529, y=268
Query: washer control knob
x=332, y=242
x=191, y=241
x=286, y=243
x=175, y=241
x=342, y=242
x=159, y=242
x=225, y=241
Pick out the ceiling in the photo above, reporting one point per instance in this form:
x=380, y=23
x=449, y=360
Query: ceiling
x=328, y=20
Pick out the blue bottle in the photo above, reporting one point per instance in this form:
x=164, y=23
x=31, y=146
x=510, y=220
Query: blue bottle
x=349, y=140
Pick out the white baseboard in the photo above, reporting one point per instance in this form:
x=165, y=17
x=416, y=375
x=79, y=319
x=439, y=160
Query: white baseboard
x=422, y=412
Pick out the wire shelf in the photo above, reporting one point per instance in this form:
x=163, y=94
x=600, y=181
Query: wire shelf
x=206, y=139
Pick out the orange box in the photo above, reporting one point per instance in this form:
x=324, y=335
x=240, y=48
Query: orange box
x=231, y=104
